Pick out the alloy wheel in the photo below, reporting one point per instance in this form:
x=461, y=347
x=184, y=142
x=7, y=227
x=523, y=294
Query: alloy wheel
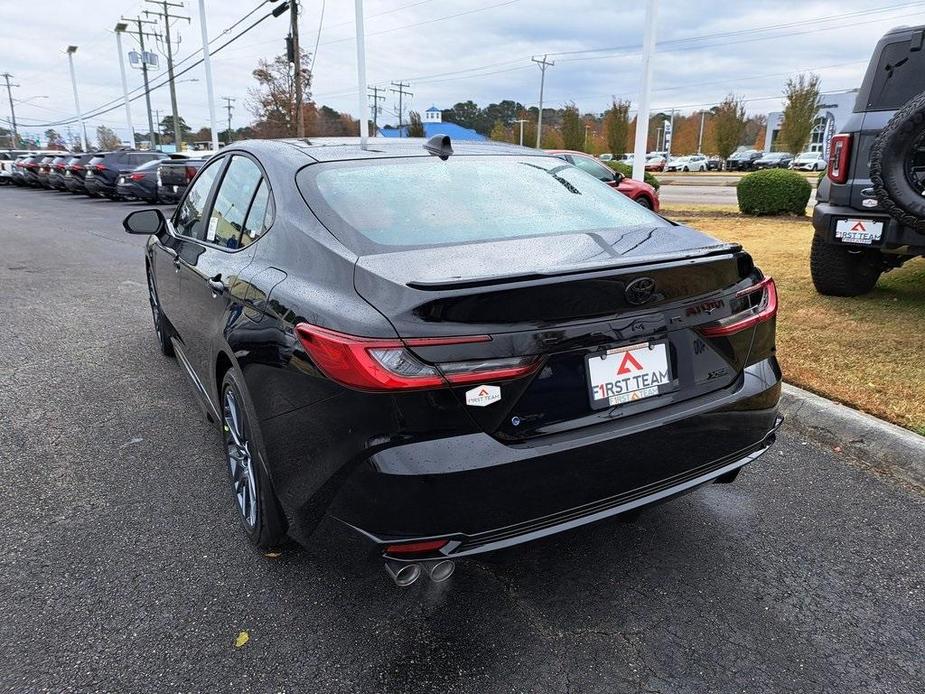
x=240, y=460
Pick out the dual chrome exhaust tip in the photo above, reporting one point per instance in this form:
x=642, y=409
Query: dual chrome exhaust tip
x=405, y=574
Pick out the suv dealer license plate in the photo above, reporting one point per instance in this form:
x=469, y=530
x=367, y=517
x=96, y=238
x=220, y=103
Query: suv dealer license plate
x=627, y=374
x=864, y=231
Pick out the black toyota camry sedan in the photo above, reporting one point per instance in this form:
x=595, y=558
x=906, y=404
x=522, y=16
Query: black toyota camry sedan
x=449, y=348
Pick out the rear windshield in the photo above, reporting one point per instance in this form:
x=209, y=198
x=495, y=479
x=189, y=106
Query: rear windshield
x=900, y=76
x=382, y=204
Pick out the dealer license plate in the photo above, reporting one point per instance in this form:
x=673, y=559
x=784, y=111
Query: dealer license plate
x=863, y=231
x=627, y=374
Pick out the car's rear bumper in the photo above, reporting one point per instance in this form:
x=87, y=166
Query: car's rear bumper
x=97, y=186
x=895, y=236
x=483, y=495
x=170, y=193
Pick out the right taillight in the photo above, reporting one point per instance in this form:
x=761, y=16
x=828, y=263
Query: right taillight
x=190, y=173
x=760, y=304
x=839, y=155
x=385, y=364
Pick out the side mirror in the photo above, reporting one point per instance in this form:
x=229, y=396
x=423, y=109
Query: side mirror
x=618, y=177
x=145, y=222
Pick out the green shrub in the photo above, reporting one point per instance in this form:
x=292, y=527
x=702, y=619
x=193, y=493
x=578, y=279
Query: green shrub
x=773, y=191
x=627, y=171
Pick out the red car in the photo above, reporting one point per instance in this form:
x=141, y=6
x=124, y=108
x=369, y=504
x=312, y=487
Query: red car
x=635, y=190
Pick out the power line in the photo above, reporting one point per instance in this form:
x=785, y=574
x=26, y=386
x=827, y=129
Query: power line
x=311, y=67
x=99, y=111
x=374, y=105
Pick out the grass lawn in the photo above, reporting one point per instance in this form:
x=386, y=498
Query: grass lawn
x=867, y=352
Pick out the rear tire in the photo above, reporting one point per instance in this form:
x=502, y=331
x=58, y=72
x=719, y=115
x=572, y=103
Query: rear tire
x=644, y=201
x=258, y=508
x=161, y=328
x=843, y=271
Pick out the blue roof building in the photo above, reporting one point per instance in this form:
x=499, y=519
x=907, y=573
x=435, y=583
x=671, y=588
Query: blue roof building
x=434, y=125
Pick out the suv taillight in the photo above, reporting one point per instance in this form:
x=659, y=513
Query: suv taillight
x=839, y=154
x=190, y=173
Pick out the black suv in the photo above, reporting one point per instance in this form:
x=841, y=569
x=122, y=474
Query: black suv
x=103, y=170
x=867, y=219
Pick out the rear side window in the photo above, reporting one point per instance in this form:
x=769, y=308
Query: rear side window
x=900, y=76
x=599, y=171
x=378, y=205
x=260, y=215
x=189, y=216
x=232, y=202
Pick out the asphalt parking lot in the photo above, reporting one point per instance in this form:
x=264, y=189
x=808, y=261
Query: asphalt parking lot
x=123, y=568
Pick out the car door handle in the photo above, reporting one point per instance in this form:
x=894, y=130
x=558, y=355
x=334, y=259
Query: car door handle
x=216, y=285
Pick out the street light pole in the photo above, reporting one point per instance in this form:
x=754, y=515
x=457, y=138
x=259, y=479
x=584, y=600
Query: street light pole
x=642, y=114
x=521, y=121
x=700, y=139
x=121, y=27
x=361, y=74
x=71, y=50
x=207, y=64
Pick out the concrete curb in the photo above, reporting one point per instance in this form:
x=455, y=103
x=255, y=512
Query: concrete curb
x=883, y=446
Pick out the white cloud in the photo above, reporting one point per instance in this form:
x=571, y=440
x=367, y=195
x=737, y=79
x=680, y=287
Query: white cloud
x=419, y=39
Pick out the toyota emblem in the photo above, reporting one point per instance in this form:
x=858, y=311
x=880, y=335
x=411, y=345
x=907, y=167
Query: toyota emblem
x=640, y=290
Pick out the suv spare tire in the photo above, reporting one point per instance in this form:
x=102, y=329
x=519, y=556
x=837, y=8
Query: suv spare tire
x=897, y=164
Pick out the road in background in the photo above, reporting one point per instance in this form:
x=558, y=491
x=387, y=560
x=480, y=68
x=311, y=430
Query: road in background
x=124, y=569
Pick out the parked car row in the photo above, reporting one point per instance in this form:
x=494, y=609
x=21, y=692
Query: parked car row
x=743, y=160
x=122, y=174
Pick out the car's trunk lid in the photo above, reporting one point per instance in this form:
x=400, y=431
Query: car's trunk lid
x=566, y=299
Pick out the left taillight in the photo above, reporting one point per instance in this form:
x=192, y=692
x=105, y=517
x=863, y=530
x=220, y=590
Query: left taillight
x=839, y=156
x=137, y=176
x=375, y=364
x=758, y=304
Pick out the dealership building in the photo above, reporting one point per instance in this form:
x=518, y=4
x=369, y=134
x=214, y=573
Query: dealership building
x=834, y=110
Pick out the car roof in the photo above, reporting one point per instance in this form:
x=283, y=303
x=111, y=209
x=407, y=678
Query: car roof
x=327, y=149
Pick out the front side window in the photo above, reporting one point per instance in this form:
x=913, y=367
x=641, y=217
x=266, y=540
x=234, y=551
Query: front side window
x=189, y=216
x=232, y=202
x=374, y=206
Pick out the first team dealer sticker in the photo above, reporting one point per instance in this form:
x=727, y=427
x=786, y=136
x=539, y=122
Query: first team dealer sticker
x=864, y=231
x=480, y=396
x=627, y=374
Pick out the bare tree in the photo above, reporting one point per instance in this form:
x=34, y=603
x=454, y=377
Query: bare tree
x=273, y=101
x=728, y=125
x=802, y=95
x=415, y=126
x=107, y=139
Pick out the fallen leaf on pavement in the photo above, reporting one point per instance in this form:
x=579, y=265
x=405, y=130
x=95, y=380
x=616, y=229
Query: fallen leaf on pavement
x=243, y=638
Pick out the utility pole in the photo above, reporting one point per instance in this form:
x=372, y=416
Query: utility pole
x=297, y=67
x=401, y=93
x=375, y=107
x=207, y=64
x=229, y=105
x=120, y=27
x=587, y=128
x=166, y=16
x=521, y=121
x=9, y=92
x=71, y=50
x=642, y=113
x=543, y=64
x=700, y=139
x=156, y=137
x=140, y=34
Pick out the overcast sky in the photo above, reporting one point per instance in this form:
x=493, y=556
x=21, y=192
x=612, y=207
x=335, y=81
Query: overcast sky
x=453, y=50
